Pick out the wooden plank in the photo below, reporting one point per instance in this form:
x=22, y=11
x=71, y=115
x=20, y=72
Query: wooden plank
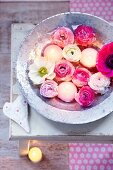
x=4, y=127
x=34, y=0
x=55, y=154
x=25, y=12
x=14, y=12
x=4, y=78
x=55, y=157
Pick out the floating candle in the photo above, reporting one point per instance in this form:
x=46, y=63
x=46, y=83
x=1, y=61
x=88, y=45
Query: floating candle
x=35, y=155
x=66, y=91
x=89, y=56
x=53, y=53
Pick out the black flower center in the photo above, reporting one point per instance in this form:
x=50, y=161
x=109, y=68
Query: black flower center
x=109, y=61
x=62, y=68
x=72, y=52
x=63, y=37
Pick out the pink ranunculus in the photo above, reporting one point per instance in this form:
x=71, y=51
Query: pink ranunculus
x=62, y=36
x=64, y=70
x=81, y=77
x=104, y=61
x=49, y=89
x=85, y=97
x=84, y=35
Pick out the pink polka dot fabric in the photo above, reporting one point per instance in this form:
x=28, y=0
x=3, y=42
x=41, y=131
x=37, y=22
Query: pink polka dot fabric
x=85, y=156
x=101, y=8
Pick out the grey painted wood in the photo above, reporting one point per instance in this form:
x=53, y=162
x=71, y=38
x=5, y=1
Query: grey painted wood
x=25, y=12
x=4, y=78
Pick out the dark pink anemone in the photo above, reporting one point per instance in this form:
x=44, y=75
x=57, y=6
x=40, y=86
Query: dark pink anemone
x=84, y=35
x=104, y=62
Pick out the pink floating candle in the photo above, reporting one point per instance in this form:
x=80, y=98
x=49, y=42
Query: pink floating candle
x=53, y=53
x=89, y=56
x=66, y=91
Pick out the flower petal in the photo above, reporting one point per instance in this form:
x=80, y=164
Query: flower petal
x=51, y=76
x=33, y=68
x=102, y=57
x=35, y=78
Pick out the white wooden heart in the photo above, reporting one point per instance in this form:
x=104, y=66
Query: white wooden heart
x=18, y=111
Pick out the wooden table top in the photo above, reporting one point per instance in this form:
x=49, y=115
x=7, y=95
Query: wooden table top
x=56, y=155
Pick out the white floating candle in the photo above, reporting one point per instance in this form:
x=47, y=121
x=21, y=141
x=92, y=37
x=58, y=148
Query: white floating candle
x=66, y=91
x=89, y=56
x=53, y=53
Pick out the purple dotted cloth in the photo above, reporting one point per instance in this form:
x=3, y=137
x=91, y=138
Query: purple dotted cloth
x=101, y=8
x=85, y=156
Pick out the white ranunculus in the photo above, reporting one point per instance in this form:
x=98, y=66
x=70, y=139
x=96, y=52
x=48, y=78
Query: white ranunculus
x=72, y=53
x=99, y=83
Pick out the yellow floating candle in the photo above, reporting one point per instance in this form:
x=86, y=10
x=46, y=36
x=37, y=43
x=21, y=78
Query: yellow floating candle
x=35, y=155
